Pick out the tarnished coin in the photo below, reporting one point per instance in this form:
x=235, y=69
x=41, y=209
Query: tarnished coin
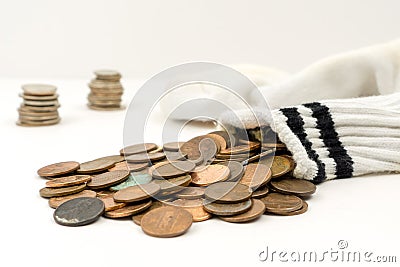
x=174, y=184
x=138, y=148
x=260, y=192
x=228, y=209
x=136, y=193
x=172, y=146
x=23, y=118
x=191, y=193
x=79, y=211
x=101, y=86
x=37, y=114
x=166, y=222
x=68, y=180
x=173, y=156
x=54, y=202
x=276, y=202
x=210, y=174
x=172, y=169
x=57, y=169
x=41, y=103
x=228, y=192
x=236, y=170
x=61, y=191
x=294, y=186
x=280, y=166
x=241, y=148
x=129, y=210
x=39, y=98
x=135, y=178
x=38, y=109
x=110, y=75
x=108, y=108
x=133, y=167
x=38, y=123
x=145, y=157
x=302, y=210
x=195, y=207
x=208, y=149
x=256, y=175
x=107, y=179
x=109, y=202
x=256, y=211
x=39, y=89
x=99, y=165
x=137, y=218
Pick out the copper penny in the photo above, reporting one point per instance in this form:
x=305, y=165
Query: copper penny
x=138, y=148
x=133, y=167
x=166, y=222
x=107, y=179
x=173, y=184
x=260, y=192
x=99, y=165
x=203, y=176
x=228, y=192
x=172, y=169
x=129, y=210
x=110, y=204
x=173, y=156
x=136, y=193
x=172, y=146
x=191, y=193
x=219, y=140
x=54, y=202
x=61, y=191
x=191, y=147
x=195, y=207
x=280, y=166
x=228, y=139
x=240, y=149
x=208, y=149
x=294, y=186
x=57, y=169
x=256, y=211
x=68, y=180
x=276, y=202
x=256, y=175
x=137, y=218
x=236, y=170
x=302, y=210
x=144, y=157
x=228, y=209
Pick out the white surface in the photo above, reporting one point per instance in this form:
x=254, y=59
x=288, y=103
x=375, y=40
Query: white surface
x=363, y=211
x=70, y=38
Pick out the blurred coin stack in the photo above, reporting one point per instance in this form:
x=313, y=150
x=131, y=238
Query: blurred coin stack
x=40, y=105
x=105, y=91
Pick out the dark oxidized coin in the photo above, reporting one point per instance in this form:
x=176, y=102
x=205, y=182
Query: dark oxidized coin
x=294, y=186
x=79, y=211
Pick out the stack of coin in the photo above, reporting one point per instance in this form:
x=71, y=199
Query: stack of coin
x=105, y=91
x=166, y=188
x=40, y=105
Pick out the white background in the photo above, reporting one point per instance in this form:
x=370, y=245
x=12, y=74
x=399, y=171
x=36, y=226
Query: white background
x=62, y=42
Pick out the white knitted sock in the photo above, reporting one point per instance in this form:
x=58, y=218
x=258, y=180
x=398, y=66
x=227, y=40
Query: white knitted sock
x=342, y=138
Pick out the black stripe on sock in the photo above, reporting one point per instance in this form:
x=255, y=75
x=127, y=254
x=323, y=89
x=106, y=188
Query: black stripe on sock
x=296, y=125
x=325, y=124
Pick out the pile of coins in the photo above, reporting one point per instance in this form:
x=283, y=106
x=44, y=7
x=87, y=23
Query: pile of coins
x=105, y=91
x=165, y=189
x=40, y=105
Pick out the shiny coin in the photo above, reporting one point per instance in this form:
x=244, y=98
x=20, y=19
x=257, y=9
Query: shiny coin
x=210, y=174
x=195, y=207
x=144, y=157
x=136, y=193
x=191, y=193
x=138, y=148
x=228, y=192
x=68, y=180
x=57, y=169
x=109, y=202
x=294, y=186
x=133, y=179
x=54, y=202
x=172, y=169
x=107, y=179
x=174, y=184
x=39, y=98
x=302, y=210
x=236, y=170
x=256, y=175
x=191, y=147
x=61, y=191
x=228, y=209
x=172, y=146
x=129, y=210
x=260, y=192
x=39, y=89
x=166, y=222
x=280, y=166
x=79, y=211
x=98, y=165
x=107, y=75
x=256, y=211
x=276, y=202
x=37, y=123
x=137, y=218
